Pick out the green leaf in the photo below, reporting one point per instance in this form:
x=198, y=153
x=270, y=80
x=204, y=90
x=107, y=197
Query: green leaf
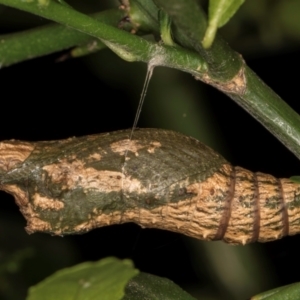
x=287, y=18
x=219, y=13
x=223, y=10
x=105, y=279
x=287, y=292
x=149, y=287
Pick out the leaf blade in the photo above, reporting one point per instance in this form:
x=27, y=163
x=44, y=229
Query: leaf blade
x=149, y=287
x=219, y=13
x=287, y=292
x=106, y=278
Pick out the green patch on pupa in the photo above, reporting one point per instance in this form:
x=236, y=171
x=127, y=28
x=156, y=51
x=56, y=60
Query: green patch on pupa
x=295, y=179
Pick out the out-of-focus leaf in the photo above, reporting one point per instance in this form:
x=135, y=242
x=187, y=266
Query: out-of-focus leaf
x=149, y=287
x=105, y=279
x=219, y=13
x=223, y=10
x=13, y=263
x=287, y=292
x=288, y=17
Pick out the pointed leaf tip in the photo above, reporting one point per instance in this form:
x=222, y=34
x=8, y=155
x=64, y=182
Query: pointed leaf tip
x=219, y=13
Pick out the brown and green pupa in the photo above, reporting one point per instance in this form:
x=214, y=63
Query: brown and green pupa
x=167, y=181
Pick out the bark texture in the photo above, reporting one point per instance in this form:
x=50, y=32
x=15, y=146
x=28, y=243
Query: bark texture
x=166, y=180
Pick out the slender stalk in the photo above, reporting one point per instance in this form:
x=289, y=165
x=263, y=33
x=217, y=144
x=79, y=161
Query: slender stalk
x=43, y=40
x=127, y=46
x=271, y=111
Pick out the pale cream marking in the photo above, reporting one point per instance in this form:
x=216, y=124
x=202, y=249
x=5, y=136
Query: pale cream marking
x=103, y=219
x=132, y=185
x=244, y=241
x=133, y=146
x=126, y=145
x=95, y=157
x=47, y=203
x=153, y=221
x=153, y=146
x=37, y=225
x=75, y=174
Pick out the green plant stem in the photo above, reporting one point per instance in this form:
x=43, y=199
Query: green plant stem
x=223, y=64
x=86, y=49
x=43, y=40
x=189, y=28
x=126, y=45
x=271, y=111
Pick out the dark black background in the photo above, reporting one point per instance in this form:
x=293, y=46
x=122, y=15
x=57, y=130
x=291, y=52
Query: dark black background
x=44, y=100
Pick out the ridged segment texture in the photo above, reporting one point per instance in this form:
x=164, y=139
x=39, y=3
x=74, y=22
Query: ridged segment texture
x=167, y=181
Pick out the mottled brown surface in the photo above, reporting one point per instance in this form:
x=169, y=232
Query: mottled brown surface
x=168, y=181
